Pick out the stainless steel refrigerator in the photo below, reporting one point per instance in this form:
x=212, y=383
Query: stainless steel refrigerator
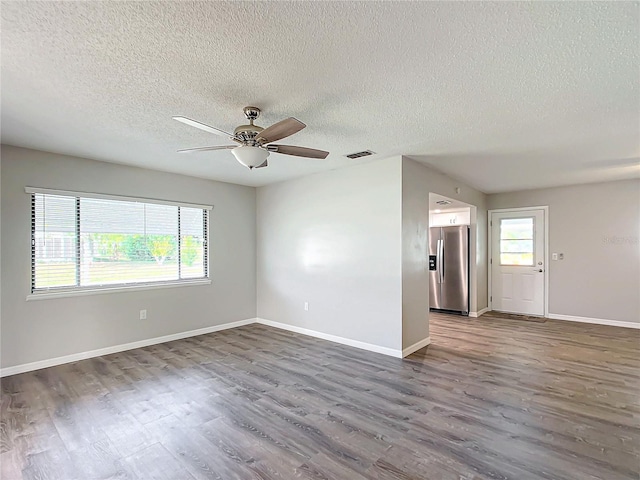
x=449, y=268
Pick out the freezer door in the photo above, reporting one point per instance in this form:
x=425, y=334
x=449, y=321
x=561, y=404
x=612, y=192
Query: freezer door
x=455, y=269
x=434, y=275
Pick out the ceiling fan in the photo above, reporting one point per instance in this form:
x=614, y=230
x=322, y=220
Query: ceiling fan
x=255, y=143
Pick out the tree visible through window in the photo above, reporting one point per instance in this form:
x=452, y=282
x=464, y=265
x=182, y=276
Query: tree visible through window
x=92, y=242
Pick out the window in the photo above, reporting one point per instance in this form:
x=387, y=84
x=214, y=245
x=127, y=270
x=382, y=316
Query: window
x=89, y=242
x=516, y=241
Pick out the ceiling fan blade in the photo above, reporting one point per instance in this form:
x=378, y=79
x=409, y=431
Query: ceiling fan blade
x=206, y=149
x=298, y=151
x=202, y=126
x=280, y=130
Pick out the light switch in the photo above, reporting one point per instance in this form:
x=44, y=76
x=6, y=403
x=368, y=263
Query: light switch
x=554, y=256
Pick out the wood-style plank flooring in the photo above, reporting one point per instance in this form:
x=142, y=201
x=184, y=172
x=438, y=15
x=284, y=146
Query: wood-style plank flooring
x=489, y=399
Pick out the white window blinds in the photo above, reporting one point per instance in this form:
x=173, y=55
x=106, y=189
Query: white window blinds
x=85, y=243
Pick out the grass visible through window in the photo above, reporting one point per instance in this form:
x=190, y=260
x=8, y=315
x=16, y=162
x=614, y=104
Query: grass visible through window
x=108, y=273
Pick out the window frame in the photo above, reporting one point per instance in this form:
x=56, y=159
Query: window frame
x=70, y=291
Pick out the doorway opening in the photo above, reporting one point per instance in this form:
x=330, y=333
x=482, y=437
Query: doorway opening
x=452, y=243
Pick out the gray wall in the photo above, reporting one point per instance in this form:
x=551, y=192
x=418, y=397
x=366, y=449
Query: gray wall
x=44, y=329
x=597, y=227
x=418, y=181
x=350, y=242
x=334, y=240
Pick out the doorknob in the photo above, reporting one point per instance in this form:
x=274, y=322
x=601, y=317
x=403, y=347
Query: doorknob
x=540, y=270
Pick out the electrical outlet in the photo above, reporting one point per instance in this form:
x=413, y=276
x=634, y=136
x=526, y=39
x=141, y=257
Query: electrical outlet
x=143, y=314
x=306, y=306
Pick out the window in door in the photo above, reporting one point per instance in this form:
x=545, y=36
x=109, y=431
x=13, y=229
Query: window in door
x=516, y=241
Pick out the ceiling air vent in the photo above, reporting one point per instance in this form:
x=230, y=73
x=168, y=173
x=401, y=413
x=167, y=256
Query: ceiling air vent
x=364, y=153
x=443, y=202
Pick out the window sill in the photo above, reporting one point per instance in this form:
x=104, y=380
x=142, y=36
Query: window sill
x=115, y=289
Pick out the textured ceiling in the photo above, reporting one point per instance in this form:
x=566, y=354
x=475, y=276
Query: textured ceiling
x=504, y=96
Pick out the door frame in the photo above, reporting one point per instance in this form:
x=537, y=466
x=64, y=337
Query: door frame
x=490, y=213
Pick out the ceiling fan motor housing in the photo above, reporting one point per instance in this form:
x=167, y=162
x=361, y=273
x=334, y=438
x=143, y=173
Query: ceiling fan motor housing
x=247, y=133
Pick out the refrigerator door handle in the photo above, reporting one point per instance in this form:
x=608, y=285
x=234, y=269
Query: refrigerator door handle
x=440, y=261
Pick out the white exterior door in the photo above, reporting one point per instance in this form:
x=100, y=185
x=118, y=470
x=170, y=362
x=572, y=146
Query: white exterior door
x=517, y=261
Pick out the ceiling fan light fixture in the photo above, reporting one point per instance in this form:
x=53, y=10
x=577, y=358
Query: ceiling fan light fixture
x=250, y=157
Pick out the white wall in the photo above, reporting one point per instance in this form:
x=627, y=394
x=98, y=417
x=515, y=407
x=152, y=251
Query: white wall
x=45, y=329
x=353, y=243
x=334, y=240
x=418, y=181
x=597, y=227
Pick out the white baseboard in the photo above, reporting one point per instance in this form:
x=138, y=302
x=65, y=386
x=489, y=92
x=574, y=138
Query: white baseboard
x=332, y=338
x=480, y=313
x=599, y=321
x=416, y=346
x=28, y=367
